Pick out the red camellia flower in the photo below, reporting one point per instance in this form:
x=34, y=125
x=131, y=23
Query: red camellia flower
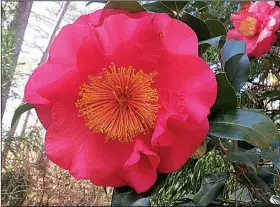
x=256, y=24
x=122, y=97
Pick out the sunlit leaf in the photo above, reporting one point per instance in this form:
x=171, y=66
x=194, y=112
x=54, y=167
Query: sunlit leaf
x=255, y=128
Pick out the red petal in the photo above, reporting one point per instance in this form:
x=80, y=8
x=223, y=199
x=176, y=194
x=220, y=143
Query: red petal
x=96, y=18
x=145, y=39
x=187, y=141
x=188, y=75
x=44, y=113
x=74, y=147
x=140, y=168
x=172, y=109
x=234, y=34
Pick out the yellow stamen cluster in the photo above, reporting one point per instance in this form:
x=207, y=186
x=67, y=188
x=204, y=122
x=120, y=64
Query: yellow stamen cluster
x=248, y=26
x=120, y=103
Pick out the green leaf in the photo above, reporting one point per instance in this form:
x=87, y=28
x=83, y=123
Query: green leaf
x=210, y=188
x=267, y=173
x=93, y=1
x=233, y=47
x=215, y=27
x=142, y=202
x=124, y=196
x=273, y=156
x=247, y=158
x=271, y=95
x=199, y=4
x=249, y=126
x=175, y=5
x=226, y=97
x=158, y=7
x=205, y=44
x=253, y=180
x=199, y=26
x=242, y=195
x=130, y=6
x=20, y=110
x=237, y=70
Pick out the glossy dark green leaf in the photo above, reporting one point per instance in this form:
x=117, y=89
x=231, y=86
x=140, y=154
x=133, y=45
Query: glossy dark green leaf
x=158, y=7
x=20, y=110
x=93, y=1
x=255, y=128
x=130, y=6
x=233, y=47
x=247, y=158
x=274, y=157
x=237, y=70
x=197, y=25
x=211, y=187
x=226, y=97
x=124, y=196
x=215, y=27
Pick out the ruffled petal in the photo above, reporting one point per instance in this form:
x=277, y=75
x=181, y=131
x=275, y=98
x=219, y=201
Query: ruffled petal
x=67, y=43
x=187, y=141
x=268, y=29
x=96, y=18
x=44, y=113
x=172, y=109
x=264, y=46
x=141, y=167
x=74, y=147
x=45, y=74
x=261, y=9
x=188, y=75
x=145, y=39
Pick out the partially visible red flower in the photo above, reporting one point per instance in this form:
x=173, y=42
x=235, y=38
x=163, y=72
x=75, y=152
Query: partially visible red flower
x=256, y=25
x=245, y=6
x=119, y=123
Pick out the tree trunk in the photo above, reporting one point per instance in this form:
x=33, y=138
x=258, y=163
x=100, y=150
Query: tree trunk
x=45, y=54
x=11, y=133
x=19, y=24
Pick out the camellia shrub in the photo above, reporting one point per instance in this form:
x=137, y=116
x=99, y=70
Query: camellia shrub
x=129, y=101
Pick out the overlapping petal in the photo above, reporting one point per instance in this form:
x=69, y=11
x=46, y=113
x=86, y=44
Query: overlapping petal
x=150, y=42
x=267, y=15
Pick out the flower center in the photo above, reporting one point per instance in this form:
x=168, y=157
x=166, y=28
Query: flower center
x=119, y=102
x=248, y=26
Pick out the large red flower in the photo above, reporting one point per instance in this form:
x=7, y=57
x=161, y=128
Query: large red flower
x=256, y=24
x=123, y=96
